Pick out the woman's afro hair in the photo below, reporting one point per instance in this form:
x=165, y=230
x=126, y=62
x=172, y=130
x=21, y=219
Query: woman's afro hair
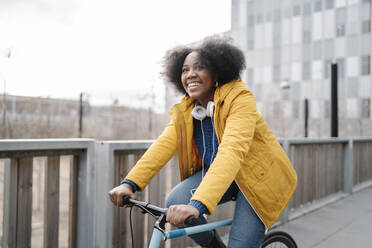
x=223, y=59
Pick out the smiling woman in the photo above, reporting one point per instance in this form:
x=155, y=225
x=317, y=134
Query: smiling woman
x=226, y=151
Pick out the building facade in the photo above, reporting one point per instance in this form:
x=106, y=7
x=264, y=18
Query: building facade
x=289, y=47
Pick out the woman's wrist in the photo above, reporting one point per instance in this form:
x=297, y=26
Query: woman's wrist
x=133, y=185
x=199, y=206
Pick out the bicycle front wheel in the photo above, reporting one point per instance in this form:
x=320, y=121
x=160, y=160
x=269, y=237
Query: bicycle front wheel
x=278, y=239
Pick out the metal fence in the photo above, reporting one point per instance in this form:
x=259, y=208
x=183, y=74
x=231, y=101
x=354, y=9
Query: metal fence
x=325, y=168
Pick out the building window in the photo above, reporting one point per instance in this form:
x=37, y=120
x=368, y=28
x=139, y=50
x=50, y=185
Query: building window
x=317, y=50
x=317, y=5
x=276, y=73
x=366, y=26
x=296, y=10
x=340, y=30
x=307, y=37
x=259, y=18
x=250, y=20
x=365, y=64
x=329, y=4
x=340, y=21
x=366, y=108
x=277, y=15
x=327, y=68
x=306, y=70
x=287, y=12
x=328, y=49
x=365, y=45
x=269, y=17
x=307, y=9
x=340, y=67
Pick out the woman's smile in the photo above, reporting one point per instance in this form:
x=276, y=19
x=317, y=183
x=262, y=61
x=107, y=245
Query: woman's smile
x=192, y=85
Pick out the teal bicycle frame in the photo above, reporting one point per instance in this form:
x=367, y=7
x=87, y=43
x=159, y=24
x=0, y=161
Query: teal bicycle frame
x=158, y=236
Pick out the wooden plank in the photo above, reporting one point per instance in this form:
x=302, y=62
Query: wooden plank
x=51, y=202
x=322, y=173
x=356, y=163
x=340, y=171
x=297, y=165
x=329, y=159
x=24, y=210
x=72, y=217
x=364, y=162
x=10, y=203
x=369, y=161
x=308, y=168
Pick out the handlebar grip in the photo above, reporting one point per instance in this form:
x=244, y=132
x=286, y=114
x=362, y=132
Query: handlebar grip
x=126, y=200
x=191, y=221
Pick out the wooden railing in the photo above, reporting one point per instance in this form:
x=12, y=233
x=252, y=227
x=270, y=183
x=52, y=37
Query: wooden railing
x=325, y=168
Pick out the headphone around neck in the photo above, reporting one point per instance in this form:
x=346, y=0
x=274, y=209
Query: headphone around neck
x=200, y=113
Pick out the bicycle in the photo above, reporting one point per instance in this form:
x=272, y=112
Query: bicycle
x=272, y=239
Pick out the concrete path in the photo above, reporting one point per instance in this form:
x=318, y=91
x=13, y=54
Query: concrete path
x=344, y=223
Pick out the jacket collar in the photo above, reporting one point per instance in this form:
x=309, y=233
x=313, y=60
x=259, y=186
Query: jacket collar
x=224, y=90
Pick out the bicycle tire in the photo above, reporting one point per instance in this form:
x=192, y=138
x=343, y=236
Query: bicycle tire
x=278, y=239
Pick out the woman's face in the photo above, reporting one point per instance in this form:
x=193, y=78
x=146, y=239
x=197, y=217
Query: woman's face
x=197, y=80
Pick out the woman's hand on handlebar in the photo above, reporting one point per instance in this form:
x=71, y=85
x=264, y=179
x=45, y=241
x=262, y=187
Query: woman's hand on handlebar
x=177, y=214
x=117, y=193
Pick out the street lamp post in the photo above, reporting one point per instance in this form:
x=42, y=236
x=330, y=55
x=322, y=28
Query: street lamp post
x=334, y=102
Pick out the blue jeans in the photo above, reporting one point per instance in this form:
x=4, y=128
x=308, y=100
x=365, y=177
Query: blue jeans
x=247, y=229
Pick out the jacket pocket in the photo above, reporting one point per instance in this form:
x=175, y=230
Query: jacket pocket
x=266, y=198
x=259, y=172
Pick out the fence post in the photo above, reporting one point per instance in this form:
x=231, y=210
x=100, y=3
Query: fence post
x=10, y=203
x=104, y=182
x=348, y=167
x=286, y=146
x=86, y=198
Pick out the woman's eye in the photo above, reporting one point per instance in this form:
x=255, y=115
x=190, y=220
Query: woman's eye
x=184, y=70
x=199, y=67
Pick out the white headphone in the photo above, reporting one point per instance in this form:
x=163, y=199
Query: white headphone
x=200, y=113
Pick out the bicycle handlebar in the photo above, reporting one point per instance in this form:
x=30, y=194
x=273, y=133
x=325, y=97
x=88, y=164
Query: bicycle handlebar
x=156, y=211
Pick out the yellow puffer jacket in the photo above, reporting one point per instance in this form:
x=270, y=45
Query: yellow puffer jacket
x=248, y=153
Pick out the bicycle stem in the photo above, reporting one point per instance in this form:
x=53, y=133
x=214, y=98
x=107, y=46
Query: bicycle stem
x=160, y=225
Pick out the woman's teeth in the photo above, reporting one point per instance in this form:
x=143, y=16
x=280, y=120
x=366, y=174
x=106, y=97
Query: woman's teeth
x=190, y=85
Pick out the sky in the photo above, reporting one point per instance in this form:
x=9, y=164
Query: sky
x=107, y=49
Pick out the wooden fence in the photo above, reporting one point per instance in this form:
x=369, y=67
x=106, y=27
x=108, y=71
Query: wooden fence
x=325, y=167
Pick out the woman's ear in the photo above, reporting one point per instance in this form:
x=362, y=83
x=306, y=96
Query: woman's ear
x=215, y=80
x=215, y=77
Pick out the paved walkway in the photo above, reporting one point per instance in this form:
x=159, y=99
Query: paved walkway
x=344, y=223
